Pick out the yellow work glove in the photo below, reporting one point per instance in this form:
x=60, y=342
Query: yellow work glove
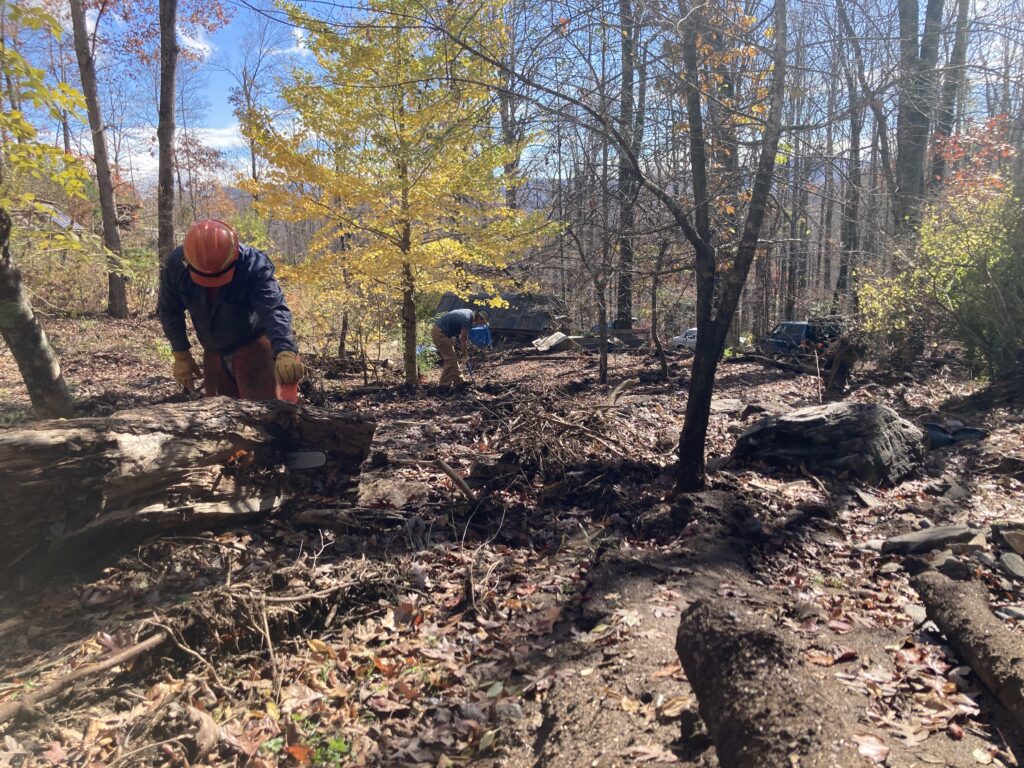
x=186, y=370
x=289, y=368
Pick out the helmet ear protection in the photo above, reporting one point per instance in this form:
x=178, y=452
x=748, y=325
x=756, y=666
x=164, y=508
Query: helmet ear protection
x=211, y=250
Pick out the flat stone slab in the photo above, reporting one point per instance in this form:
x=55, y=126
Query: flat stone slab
x=1015, y=541
x=939, y=537
x=1012, y=565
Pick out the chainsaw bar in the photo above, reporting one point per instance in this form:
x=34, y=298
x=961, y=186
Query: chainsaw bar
x=299, y=460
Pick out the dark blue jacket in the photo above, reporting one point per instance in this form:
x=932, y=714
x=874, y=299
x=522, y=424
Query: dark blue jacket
x=250, y=306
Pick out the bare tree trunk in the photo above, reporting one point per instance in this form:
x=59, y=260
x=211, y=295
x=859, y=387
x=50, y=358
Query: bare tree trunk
x=917, y=92
x=952, y=83
x=343, y=336
x=165, y=128
x=711, y=330
x=26, y=339
x=655, y=285
x=627, y=183
x=117, y=298
x=849, y=228
x=409, y=325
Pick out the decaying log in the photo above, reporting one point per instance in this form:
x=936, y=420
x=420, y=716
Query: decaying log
x=760, y=704
x=865, y=440
x=961, y=611
x=77, y=489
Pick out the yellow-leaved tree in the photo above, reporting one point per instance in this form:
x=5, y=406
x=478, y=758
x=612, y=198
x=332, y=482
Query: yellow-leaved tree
x=390, y=146
x=26, y=164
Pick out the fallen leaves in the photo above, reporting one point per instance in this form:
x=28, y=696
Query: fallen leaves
x=652, y=753
x=871, y=747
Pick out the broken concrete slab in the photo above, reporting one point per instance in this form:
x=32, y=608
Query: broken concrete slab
x=938, y=537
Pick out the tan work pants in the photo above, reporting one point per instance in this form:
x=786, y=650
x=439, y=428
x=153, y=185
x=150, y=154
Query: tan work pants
x=450, y=372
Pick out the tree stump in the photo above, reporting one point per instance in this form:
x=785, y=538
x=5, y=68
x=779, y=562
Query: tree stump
x=76, y=490
x=867, y=441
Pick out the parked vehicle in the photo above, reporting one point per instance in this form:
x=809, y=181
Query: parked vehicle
x=686, y=340
x=793, y=339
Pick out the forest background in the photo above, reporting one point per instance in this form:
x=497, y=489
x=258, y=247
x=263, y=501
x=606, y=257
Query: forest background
x=726, y=165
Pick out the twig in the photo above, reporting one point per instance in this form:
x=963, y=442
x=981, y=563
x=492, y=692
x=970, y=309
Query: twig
x=182, y=646
x=457, y=479
x=145, y=748
x=584, y=430
x=264, y=629
x=442, y=465
x=27, y=704
x=625, y=384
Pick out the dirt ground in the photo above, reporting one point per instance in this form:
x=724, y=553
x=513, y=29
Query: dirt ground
x=531, y=623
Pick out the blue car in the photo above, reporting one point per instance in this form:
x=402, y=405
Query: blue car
x=795, y=339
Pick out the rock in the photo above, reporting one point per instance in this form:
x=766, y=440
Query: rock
x=937, y=435
x=753, y=409
x=956, y=492
x=926, y=540
x=977, y=544
x=726, y=405
x=1015, y=541
x=969, y=434
x=916, y=612
x=952, y=566
x=986, y=560
x=889, y=569
x=867, y=441
x=915, y=564
x=1012, y=565
x=1009, y=612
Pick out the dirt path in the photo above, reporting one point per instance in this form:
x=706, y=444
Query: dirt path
x=535, y=626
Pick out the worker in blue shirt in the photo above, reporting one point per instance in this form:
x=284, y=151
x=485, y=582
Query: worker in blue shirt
x=238, y=312
x=446, y=328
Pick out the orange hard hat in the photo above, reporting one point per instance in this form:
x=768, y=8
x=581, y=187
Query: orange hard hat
x=211, y=250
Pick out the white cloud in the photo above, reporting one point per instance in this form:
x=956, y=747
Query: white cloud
x=300, y=48
x=200, y=45
x=226, y=138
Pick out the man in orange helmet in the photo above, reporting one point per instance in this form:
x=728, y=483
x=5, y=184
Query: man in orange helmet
x=238, y=312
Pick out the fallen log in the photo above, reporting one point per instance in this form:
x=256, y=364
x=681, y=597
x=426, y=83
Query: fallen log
x=760, y=704
x=782, y=365
x=961, y=611
x=79, y=489
x=867, y=441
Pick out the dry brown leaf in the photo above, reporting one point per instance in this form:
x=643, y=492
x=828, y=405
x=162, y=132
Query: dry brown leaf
x=819, y=658
x=675, y=707
x=982, y=756
x=871, y=747
x=654, y=753
x=208, y=732
x=629, y=705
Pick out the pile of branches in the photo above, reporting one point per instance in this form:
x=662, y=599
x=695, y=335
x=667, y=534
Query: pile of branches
x=548, y=433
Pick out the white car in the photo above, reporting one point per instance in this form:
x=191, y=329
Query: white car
x=686, y=340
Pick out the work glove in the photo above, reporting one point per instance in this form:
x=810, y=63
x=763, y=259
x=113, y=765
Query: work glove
x=186, y=370
x=289, y=368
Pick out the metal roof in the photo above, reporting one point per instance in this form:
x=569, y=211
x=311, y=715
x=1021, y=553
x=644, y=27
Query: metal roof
x=526, y=316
